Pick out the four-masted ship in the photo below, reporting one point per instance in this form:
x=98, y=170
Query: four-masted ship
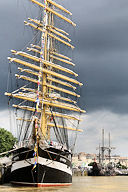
x=46, y=102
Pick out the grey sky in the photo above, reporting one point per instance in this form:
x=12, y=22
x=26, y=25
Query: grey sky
x=101, y=54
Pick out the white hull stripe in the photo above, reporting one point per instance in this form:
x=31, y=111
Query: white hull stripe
x=42, y=161
x=41, y=184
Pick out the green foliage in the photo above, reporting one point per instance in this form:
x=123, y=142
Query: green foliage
x=7, y=140
x=118, y=165
x=91, y=164
x=124, y=167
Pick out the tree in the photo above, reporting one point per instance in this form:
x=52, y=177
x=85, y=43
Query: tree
x=7, y=140
x=119, y=165
x=91, y=164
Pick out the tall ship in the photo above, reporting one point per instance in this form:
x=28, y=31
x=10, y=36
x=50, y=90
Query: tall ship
x=45, y=100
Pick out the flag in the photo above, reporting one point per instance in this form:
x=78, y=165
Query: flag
x=51, y=118
x=34, y=166
x=37, y=100
x=34, y=154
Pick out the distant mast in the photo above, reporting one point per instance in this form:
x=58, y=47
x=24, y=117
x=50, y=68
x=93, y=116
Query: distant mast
x=103, y=148
x=109, y=147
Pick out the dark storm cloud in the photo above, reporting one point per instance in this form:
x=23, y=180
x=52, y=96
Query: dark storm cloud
x=13, y=35
x=101, y=40
x=103, y=54
x=105, y=81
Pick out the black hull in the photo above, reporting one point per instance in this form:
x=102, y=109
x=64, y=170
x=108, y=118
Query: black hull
x=52, y=168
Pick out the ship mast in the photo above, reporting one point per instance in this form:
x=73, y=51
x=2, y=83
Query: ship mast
x=110, y=148
x=102, y=148
x=44, y=47
x=46, y=74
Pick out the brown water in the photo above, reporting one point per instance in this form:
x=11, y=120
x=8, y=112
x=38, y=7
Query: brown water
x=80, y=184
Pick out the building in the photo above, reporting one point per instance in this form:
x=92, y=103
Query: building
x=83, y=159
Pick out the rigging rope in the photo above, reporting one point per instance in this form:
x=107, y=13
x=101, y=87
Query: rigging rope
x=30, y=41
x=65, y=132
x=56, y=131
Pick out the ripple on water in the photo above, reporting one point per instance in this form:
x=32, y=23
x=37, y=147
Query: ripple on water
x=80, y=184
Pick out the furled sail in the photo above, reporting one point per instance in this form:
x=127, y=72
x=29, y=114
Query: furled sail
x=49, y=93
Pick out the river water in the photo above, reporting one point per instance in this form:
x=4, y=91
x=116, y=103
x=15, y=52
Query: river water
x=80, y=184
